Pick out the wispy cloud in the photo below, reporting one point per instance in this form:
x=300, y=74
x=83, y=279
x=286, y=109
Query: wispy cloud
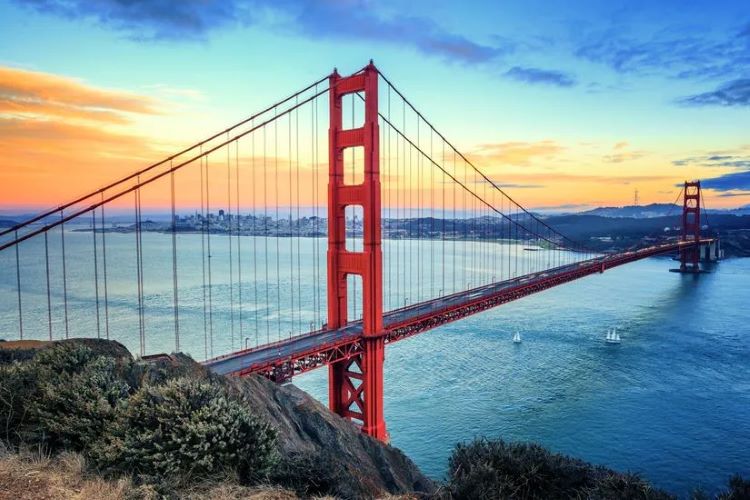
x=734, y=194
x=540, y=76
x=735, y=181
x=680, y=53
x=329, y=19
x=723, y=159
x=670, y=52
x=733, y=93
x=162, y=20
x=516, y=153
x=520, y=186
x=621, y=153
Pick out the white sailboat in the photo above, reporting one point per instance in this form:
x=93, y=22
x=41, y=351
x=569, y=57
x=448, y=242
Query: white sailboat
x=612, y=337
x=517, y=338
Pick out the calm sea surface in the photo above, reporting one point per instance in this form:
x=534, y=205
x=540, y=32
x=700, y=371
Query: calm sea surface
x=671, y=402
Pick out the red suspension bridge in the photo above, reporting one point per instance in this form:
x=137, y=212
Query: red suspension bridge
x=256, y=268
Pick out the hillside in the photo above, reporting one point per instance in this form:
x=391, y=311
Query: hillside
x=83, y=392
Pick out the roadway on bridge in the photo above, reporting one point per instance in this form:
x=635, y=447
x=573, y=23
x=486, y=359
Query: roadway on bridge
x=240, y=361
x=245, y=361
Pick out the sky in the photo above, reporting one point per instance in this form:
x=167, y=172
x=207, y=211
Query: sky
x=567, y=105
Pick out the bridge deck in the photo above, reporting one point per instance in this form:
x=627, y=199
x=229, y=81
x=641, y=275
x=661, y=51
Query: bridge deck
x=286, y=358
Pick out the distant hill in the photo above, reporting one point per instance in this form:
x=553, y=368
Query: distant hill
x=7, y=222
x=635, y=211
x=655, y=210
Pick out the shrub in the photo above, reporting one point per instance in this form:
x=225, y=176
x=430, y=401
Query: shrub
x=75, y=411
x=496, y=469
x=63, y=398
x=18, y=387
x=62, y=359
x=626, y=487
x=187, y=427
x=739, y=489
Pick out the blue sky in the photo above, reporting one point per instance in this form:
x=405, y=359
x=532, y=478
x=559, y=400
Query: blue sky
x=590, y=97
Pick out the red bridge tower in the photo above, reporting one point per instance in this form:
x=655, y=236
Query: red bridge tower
x=355, y=386
x=691, y=227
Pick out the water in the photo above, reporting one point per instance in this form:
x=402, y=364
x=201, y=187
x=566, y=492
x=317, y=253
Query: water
x=671, y=402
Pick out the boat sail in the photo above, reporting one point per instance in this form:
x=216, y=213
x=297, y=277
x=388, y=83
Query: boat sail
x=612, y=337
x=517, y=338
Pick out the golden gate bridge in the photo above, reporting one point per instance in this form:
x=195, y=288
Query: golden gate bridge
x=392, y=234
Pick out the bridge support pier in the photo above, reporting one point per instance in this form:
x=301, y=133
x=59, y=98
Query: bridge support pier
x=356, y=383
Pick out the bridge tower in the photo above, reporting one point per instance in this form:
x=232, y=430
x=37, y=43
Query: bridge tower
x=356, y=384
x=691, y=227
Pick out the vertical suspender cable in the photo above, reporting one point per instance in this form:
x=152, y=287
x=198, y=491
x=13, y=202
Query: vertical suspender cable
x=239, y=232
x=388, y=200
x=136, y=203
x=229, y=239
x=432, y=224
x=299, y=222
x=421, y=180
x=49, y=300
x=354, y=219
x=256, y=309
x=291, y=231
x=278, y=223
x=18, y=289
x=65, y=276
x=313, y=159
x=265, y=238
x=398, y=245
x=210, y=281
x=442, y=224
x=203, y=258
x=174, y=265
x=104, y=265
x=454, y=233
x=96, y=272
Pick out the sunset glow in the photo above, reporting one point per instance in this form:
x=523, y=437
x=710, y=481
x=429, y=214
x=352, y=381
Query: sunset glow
x=565, y=122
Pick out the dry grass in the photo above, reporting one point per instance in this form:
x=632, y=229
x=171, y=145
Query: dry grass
x=23, y=344
x=236, y=492
x=34, y=476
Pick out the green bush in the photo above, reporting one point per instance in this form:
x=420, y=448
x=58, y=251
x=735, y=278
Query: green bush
x=625, y=487
x=74, y=411
x=18, y=387
x=496, y=469
x=739, y=489
x=62, y=359
x=63, y=398
x=187, y=428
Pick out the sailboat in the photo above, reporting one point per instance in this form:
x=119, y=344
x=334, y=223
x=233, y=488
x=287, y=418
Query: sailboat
x=612, y=337
x=517, y=338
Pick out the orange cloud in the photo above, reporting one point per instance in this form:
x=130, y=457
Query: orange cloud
x=61, y=137
x=28, y=90
x=516, y=153
x=621, y=153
